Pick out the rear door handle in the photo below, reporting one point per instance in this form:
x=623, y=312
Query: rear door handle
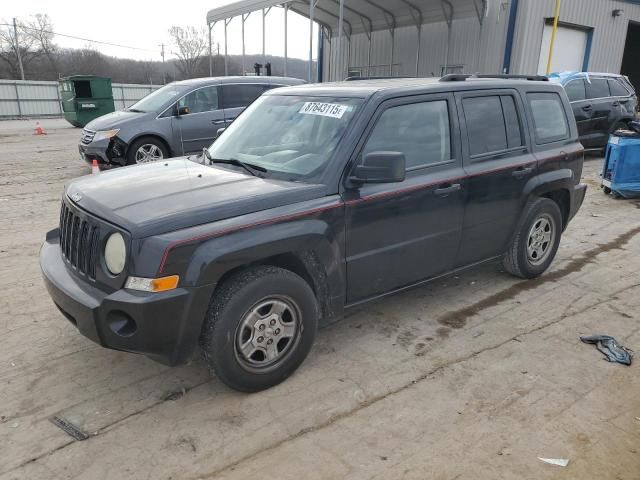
x=445, y=190
x=217, y=122
x=587, y=107
x=522, y=172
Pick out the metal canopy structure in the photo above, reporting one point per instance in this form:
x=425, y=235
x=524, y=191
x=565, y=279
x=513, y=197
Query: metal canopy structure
x=348, y=17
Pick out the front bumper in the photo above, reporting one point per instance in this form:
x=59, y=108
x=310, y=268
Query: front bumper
x=577, y=197
x=163, y=326
x=107, y=152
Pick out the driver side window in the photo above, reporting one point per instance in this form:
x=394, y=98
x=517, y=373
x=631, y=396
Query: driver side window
x=419, y=130
x=201, y=100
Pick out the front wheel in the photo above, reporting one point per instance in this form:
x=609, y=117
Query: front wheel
x=536, y=241
x=259, y=328
x=146, y=150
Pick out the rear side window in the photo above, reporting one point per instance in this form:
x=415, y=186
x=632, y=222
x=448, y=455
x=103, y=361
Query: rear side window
x=576, y=90
x=240, y=95
x=617, y=89
x=598, y=88
x=492, y=124
x=419, y=130
x=549, y=117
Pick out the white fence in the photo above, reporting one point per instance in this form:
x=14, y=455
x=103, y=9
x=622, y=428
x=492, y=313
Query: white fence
x=27, y=98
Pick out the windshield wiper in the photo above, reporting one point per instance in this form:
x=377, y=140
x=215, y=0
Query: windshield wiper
x=252, y=169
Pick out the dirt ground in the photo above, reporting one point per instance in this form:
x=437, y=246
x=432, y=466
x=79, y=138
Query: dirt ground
x=472, y=377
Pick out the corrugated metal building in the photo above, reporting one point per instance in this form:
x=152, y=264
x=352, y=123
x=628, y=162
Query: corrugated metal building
x=434, y=37
x=509, y=37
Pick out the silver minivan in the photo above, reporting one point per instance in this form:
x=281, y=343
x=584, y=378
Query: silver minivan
x=178, y=119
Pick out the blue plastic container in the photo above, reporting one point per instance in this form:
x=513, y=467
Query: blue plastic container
x=621, y=170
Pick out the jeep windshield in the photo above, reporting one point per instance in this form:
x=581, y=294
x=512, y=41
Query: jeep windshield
x=155, y=100
x=289, y=136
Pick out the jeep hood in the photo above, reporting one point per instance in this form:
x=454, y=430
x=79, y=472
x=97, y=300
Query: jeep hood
x=165, y=196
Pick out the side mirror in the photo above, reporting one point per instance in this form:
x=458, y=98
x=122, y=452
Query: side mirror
x=380, y=167
x=183, y=111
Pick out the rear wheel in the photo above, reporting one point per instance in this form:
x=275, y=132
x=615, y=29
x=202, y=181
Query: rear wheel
x=537, y=239
x=146, y=150
x=259, y=328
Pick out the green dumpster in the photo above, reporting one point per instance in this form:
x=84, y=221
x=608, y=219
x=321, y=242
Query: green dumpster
x=85, y=97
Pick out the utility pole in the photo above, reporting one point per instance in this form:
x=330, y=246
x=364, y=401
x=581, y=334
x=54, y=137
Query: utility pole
x=164, y=79
x=17, y=46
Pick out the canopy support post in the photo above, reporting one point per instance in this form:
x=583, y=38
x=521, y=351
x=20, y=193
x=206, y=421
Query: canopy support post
x=244, y=66
x=393, y=45
x=447, y=11
x=418, y=50
x=226, y=50
x=312, y=6
x=210, y=50
x=286, y=29
x=340, y=27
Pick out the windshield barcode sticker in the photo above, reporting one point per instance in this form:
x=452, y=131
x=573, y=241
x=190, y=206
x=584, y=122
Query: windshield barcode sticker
x=332, y=110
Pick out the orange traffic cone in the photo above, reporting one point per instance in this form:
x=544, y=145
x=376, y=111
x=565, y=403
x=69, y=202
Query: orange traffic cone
x=95, y=169
x=39, y=130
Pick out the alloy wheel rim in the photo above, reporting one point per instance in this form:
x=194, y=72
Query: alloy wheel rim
x=540, y=239
x=267, y=333
x=148, y=153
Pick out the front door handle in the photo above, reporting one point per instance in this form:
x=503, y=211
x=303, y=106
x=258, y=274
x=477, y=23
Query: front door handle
x=522, y=172
x=445, y=190
x=587, y=107
x=217, y=122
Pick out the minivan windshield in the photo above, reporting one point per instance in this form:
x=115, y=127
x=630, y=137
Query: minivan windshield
x=156, y=100
x=289, y=135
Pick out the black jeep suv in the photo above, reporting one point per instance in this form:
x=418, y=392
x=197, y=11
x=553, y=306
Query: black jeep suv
x=316, y=199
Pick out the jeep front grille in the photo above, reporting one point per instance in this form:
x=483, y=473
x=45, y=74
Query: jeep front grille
x=79, y=241
x=87, y=136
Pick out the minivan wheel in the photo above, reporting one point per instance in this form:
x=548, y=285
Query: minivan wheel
x=536, y=241
x=259, y=328
x=146, y=150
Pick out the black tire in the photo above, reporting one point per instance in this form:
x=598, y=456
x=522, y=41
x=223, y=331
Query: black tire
x=142, y=141
x=226, y=325
x=606, y=190
x=517, y=260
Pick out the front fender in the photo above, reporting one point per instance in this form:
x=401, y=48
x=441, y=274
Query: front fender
x=311, y=232
x=215, y=257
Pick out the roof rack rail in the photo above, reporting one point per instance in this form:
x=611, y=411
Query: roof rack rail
x=354, y=78
x=459, y=77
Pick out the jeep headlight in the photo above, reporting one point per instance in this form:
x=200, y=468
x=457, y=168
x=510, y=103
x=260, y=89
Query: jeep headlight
x=105, y=134
x=115, y=253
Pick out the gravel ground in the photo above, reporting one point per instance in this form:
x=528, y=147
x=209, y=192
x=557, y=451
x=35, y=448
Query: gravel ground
x=471, y=377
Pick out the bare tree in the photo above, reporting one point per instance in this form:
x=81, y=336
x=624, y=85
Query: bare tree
x=31, y=39
x=190, y=44
x=40, y=29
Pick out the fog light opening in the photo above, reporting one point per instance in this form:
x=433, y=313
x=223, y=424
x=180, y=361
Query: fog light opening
x=122, y=324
